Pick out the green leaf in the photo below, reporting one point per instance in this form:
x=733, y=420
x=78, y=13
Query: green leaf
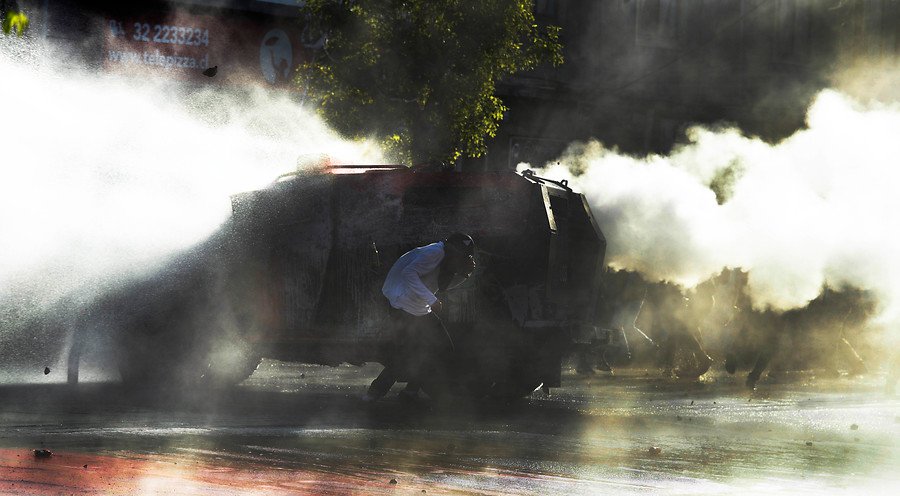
x=16, y=22
x=421, y=74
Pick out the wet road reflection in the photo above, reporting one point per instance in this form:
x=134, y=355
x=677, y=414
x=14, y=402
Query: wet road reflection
x=285, y=432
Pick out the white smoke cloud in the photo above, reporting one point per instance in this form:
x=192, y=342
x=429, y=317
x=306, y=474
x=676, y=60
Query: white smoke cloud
x=817, y=208
x=102, y=177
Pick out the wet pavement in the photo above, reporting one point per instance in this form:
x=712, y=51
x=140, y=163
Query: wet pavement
x=302, y=429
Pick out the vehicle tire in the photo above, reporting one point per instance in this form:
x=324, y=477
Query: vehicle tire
x=513, y=386
x=145, y=363
x=227, y=362
x=687, y=365
x=514, y=389
x=208, y=356
x=141, y=362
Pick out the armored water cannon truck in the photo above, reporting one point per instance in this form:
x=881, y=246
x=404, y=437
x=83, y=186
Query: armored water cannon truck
x=296, y=275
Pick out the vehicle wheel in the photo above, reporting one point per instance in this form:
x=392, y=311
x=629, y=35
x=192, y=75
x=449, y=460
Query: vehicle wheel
x=144, y=364
x=227, y=363
x=688, y=365
x=144, y=361
x=514, y=387
x=191, y=356
x=514, y=390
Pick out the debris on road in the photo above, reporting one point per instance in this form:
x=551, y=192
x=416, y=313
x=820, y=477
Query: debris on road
x=46, y=370
x=42, y=453
x=809, y=443
x=854, y=427
x=654, y=450
x=393, y=481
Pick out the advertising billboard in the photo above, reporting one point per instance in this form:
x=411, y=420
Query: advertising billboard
x=180, y=44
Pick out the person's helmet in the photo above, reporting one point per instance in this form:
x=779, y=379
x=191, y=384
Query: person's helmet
x=465, y=246
x=461, y=242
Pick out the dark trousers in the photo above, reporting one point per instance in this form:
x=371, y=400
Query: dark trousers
x=421, y=347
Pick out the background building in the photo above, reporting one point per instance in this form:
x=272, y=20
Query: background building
x=249, y=41
x=637, y=72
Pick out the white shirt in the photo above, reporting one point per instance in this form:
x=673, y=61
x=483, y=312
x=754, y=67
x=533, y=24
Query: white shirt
x=413, y=280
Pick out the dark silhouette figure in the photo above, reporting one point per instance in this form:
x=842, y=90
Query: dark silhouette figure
x=675, y=332
x=423, y=347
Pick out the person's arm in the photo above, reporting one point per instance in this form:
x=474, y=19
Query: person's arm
x=427, y=261
x=463, y=273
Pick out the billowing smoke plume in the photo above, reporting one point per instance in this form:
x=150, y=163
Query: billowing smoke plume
x=815, y=209
x=101, y=177
x=104, y=178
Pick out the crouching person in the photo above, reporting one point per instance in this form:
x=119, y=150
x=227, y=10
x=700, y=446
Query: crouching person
x=422, y=347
